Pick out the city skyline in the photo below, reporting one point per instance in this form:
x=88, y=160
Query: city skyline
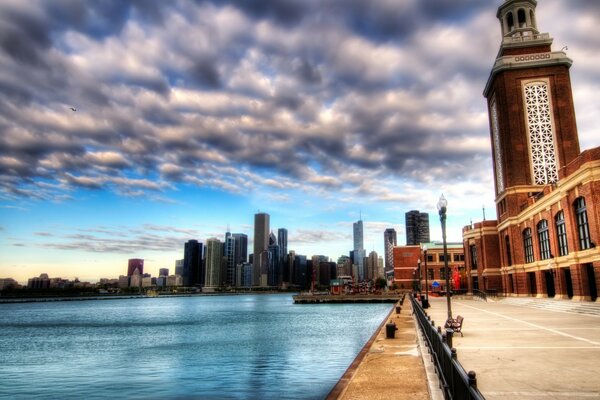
x=169, y=140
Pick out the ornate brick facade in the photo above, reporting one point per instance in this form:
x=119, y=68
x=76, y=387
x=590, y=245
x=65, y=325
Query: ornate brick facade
x=547, y=191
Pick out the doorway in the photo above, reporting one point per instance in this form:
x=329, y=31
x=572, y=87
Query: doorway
x=549, y=283
x=591, y=275
x=532, y=283
x=568, y=282
x=475, y=283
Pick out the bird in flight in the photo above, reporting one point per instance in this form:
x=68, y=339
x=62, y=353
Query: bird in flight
x=72, y=109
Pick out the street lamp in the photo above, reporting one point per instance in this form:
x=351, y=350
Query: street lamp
x=420, y=276
x=425, y=299
x=441, y=205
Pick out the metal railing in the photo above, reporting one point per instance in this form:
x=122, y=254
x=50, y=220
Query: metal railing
x=454, y=381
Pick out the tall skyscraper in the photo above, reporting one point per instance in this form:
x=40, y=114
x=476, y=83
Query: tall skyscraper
x=214, y=258
x=260, y=265
x=192, y=263
x=241, y=248
x=389, y=241
x=179, y=267
x=229, y=254
x=417, y=228
x=274, y=272
x=358, y=235
x=282, y=241
x=359, y=252
x=133, y=264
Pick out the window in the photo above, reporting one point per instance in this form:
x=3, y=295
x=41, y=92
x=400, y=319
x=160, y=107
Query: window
x=583, y=230
x=561, y=234
x=429, y=257
x=544, y=239
x=442, y=258
x=528, y=245
x=508, y=255
x=442, y=273
x=473, y=251
x=459, y=257
x=430, y=273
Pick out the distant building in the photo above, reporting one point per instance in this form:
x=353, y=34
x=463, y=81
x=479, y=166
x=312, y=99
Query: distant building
x=261, y=249
x=417, y=227
x=192, y=263
x=8, y=283
x=179, y=267
x=174, y=280
x=372, y=266
x=274, y=272
x=41, y=282
x=359, y=253
x=282, y=241
x=214, y=257
x=389, y=241
x=133, y=264
x=163, y=272
x=123, y=281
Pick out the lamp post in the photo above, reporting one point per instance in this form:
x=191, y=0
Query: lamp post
x=420, y=276
x=441, y=205
x=425, y=300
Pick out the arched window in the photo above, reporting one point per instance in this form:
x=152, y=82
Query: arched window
x=508, y=255
x=522, y=18
x=544, y=239
x=510, y=21
x=583, y=230
x=561, y=233
x=528, y=246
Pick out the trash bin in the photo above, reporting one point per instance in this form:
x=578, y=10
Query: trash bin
x=398, y=309
x=390, y=330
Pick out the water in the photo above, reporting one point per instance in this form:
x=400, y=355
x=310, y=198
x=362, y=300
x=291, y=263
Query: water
x=225, y=347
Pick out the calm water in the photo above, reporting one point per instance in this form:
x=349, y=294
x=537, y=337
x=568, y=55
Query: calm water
x=250, y=346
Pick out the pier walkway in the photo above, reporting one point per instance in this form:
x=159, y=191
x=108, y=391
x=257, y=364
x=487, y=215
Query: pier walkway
x=523, y=348
x=389, y=368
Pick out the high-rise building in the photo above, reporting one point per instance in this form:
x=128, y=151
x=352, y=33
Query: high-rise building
x=274, y=271
x=179, y=267
x=163, y=272
x=389, y=241
x=372, y=266
x=192, y=263
x=282, y=241
x=135, y=264
x=358, y=235
x=260, y=265
x=214, y=259
x=240, y=248
x=229, y=254
x=417, y=227
x=544, y=241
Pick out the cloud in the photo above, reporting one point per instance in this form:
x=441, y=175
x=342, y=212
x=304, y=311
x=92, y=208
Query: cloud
x=315, y=97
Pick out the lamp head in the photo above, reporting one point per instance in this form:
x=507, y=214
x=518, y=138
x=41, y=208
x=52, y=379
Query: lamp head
x=442, y=203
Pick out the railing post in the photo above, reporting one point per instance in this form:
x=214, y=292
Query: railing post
x=449, y=334
x=472, y=379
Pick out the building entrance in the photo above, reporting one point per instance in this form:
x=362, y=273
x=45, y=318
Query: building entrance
x=475, y=283
x=568, y=282
x=591, y=275
x=532, y=283
x=549, y=283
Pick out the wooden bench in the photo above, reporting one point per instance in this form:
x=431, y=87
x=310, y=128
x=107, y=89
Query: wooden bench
x=455, y=324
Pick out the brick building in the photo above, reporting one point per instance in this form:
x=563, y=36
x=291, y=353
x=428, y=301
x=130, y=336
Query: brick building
x=408, y=270
x=547, y=190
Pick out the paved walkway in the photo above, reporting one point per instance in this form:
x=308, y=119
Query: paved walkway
x=528, y=349
x=389, y=368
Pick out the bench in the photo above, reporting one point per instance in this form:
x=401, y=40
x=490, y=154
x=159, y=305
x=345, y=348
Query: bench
x=455, y=324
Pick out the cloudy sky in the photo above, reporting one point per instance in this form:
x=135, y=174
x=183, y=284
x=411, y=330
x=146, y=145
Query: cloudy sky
x=191, y=116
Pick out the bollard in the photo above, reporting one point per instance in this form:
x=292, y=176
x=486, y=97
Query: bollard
x=398, y=309
x=390, y=330
x=453, y=353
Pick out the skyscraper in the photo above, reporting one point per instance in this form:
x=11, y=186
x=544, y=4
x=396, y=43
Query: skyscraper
x=282, y=241
x=274, y=272
x=389, y=241
x=229, y=254
x=417, y=228
x=261, y=249
x=214, y=258
x=192, y=263
x=359, y=252
x=133, y=264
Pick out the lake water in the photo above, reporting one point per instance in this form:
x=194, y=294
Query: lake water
x=225, y=347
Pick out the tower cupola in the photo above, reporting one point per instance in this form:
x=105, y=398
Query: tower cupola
x=518, y=18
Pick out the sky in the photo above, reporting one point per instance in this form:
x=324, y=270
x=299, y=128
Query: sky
x=130, y=127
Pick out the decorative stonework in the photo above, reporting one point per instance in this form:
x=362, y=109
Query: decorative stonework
x=541, y=133
x=497, y=148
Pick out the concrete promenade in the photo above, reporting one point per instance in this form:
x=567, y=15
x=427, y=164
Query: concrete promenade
x=528, y=348
x=388, y=368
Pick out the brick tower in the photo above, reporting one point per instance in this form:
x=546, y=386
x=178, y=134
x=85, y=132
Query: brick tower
x=532, y=117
